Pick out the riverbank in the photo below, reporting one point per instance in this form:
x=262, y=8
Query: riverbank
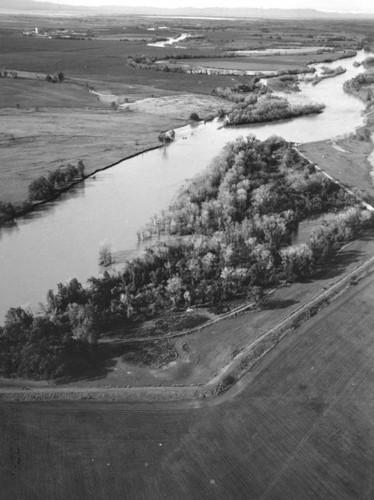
x=348, y=159
x=210, y=370
x=36, y=141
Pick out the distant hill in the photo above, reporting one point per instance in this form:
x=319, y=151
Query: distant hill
x=51, y=8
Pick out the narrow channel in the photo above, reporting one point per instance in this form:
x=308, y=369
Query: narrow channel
x=61, y=241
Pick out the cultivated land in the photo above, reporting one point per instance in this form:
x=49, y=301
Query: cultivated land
x=298, y=425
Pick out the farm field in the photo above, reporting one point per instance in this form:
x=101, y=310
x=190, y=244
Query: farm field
x=346, y=160
x=299, y=426
x=261, y=63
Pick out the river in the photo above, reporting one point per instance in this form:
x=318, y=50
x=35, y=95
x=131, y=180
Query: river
x=169, y=41
x=62, y=239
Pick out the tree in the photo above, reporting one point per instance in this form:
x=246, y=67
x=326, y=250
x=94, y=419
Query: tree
x=195, y=117
x=174, y=288
x=82, y=321
x=81, y=168
x=41, y=189
x=105, y=255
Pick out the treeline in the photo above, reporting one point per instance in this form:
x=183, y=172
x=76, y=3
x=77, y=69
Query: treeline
x=47, y=187
x=269, y=108
x=41, y=189
x=171, y=62
x=40, y=347
x=232, y=227
x=147, y=62
x=242, y=93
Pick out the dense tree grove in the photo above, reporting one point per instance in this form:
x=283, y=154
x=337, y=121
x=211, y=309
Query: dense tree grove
x=41, y=347
x=242, y=93
x=269, y=108
x=232, y=228
x=360, y=85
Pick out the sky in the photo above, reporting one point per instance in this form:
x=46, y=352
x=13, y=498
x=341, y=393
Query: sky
x=327, y=5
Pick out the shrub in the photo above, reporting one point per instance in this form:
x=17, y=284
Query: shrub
x=105, y=255
x=41, y=189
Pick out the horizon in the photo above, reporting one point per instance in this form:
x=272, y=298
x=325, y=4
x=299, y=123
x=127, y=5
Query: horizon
x=338, y=6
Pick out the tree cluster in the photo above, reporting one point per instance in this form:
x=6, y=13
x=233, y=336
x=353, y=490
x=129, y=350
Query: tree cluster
x=269, y=108
x=9, y=211
x=40, y=347
x=47, y=187
x=55, y=78
x=242, y=93
x=361, y=86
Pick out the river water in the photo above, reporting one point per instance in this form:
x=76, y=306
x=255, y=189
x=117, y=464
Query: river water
x=169, y=41
x=62, y=239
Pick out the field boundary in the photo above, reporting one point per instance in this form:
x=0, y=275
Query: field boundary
x=245, y=360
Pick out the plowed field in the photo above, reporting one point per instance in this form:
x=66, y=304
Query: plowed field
x=300, y=426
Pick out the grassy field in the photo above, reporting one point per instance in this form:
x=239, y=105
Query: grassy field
x=261, y=63
x=299, y=426
x=35, y=140
x=29, y=93
x=346, y=160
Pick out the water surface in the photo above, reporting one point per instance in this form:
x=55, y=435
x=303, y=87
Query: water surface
x=62, y=240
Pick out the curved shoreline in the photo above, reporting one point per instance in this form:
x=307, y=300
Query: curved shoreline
x=34, y=206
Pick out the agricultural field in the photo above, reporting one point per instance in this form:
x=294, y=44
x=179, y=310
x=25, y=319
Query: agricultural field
x=346, y=160
x=273, y=63
x=299, y=425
